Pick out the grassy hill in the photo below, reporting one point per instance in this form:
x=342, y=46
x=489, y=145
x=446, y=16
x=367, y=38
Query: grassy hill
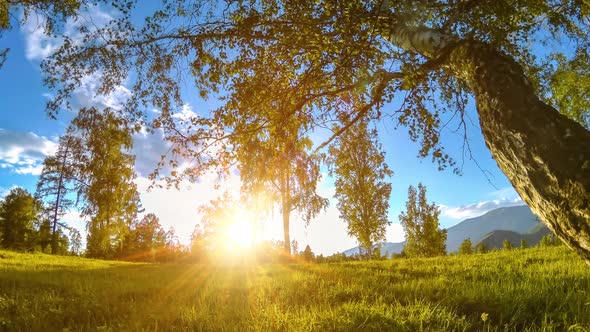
x=522, y=290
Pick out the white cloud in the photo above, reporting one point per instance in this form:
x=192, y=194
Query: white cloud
x=23, y=152
x=39, y=45
x=500, y=198
x=186, y=113
x=507, y=193
x=87, y=95
x=477, y=209
x=5, y=191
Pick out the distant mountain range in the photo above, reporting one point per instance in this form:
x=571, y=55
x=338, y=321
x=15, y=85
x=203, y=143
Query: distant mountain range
x=513, y=223
x=387, y=248
x=496, y=239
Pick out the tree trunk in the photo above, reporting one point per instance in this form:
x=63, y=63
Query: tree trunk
x=545, y=155
x=286, y=211
x=58, y=200
x=286, y=235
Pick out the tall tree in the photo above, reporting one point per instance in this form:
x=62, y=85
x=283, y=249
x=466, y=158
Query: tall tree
x=362, y=193
x=420, y=223
x=110, y=195
x=145, y=238
x=18, y=212
x=332, y=52
x=58, y=180
x=279, y=162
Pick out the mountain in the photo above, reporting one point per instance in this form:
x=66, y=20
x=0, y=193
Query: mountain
x=387, y=249
x=518, y=219
x=495, y=239
x=513, y=223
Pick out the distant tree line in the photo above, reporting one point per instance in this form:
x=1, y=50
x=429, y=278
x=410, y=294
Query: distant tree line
x=93, y=172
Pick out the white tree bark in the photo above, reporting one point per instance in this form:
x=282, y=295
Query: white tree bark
x=545, y=155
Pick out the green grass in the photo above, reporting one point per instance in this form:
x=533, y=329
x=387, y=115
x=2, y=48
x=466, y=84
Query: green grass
x=525, y=290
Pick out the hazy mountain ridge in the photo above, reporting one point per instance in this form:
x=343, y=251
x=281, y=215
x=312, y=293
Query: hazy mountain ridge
x=515, y=222
x=387, y=248
x=495, y=239
x=518, y=219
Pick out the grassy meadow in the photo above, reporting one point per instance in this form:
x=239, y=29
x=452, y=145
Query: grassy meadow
x=538, y=289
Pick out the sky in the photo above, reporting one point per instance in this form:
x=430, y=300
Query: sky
x=27, y=135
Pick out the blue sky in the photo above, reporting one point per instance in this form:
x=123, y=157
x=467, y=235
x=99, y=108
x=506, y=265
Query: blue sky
x=27, y=135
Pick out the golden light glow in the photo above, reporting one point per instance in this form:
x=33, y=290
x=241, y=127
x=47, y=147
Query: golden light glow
x=240, y=232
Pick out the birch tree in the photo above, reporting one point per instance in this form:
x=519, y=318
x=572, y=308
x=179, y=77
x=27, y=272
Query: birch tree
x=331, y=54
x=363, y=195
x=110, y=198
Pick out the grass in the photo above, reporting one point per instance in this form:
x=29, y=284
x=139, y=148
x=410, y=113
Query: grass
x=524, y=290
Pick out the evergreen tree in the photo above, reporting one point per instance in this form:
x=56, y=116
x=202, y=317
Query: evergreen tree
x=363, y=195
x=308, y=255
x=466, y=247
x=18, y=212
x=506, y=245
x=482, y=249
x=523, y=244
x=420, y=223
x=59, y=179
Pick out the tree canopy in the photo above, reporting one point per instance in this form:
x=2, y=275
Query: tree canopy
x=319, y=60
x=420, y=223
x=18, y=212
x=362, y=193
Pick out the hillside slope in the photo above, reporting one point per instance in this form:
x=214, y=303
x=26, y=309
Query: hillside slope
x=495, y=239
x=518, y=219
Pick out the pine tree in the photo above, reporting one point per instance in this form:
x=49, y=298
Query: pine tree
x=58, y=180
x=308, y=255
x=482, y=249
x=420, y=223
x=466, y=247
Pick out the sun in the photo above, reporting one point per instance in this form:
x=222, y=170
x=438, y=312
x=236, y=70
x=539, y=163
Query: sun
x=240, y=232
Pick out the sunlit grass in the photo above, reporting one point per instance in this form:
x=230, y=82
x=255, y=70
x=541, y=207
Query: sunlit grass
x=524, y=290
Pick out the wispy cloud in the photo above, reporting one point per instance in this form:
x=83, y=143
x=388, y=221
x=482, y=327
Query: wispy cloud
x=5, y=191
x=40, y=45
x=186, y=113
x=500, y=198
x=23, y=152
